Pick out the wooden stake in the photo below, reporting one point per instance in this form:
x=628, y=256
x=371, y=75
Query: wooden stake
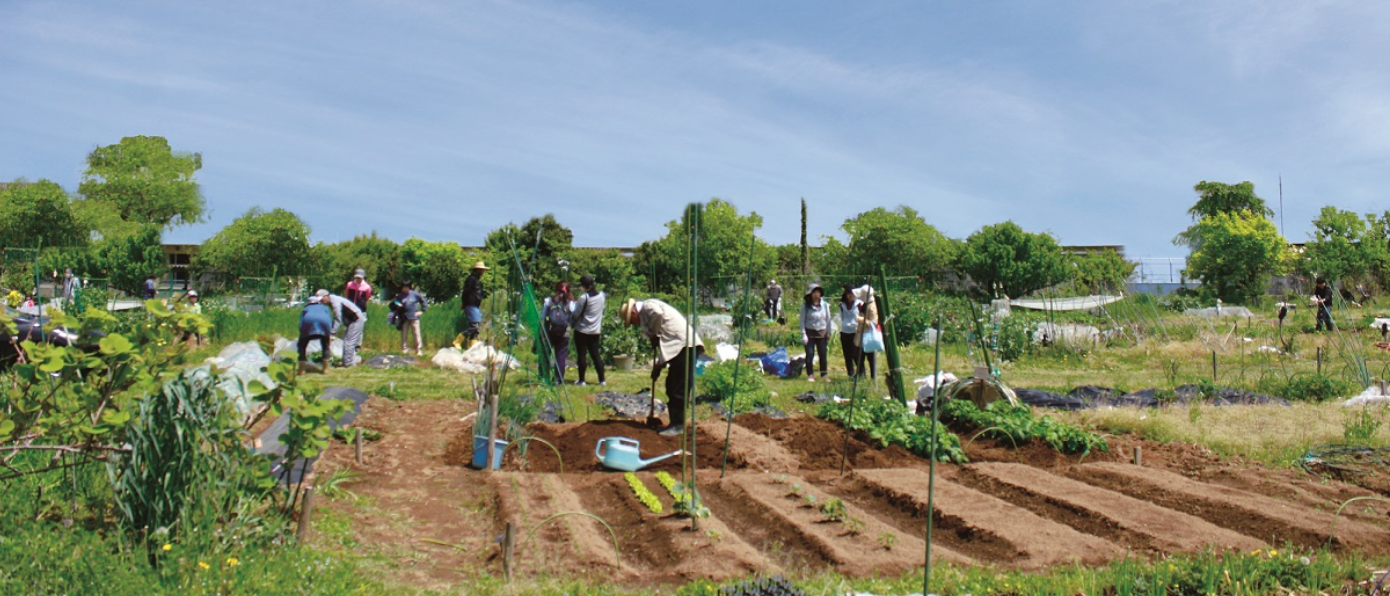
x=306, y=510
x=357, y=445
x=1138, y=455
x=508, y=549
x=1319, y=360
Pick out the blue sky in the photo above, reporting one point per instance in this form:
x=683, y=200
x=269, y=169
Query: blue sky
x=445, y=119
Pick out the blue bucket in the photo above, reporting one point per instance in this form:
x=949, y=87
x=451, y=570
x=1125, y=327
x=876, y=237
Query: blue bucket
x=480, y=452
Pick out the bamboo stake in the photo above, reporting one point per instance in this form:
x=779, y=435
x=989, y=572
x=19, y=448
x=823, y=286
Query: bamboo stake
x=306, y=510
x=931, y=474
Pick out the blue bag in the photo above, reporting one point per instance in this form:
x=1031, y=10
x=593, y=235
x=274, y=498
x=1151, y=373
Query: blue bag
x=776, y=362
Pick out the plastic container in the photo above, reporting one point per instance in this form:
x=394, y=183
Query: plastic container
x=480, y=452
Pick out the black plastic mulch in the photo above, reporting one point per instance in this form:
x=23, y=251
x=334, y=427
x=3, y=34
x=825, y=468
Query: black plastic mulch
x=271, y=446
x=550, y=412
x=629, y=405
x=769, y=411
x=1091, y=396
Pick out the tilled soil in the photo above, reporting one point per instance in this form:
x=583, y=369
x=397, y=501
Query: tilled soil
x=435, y=520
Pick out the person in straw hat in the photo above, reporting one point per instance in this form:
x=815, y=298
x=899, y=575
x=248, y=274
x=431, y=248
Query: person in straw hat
x=676, y=345
x=472, y=303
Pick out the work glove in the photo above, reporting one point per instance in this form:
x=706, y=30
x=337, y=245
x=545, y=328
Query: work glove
x=656, y=373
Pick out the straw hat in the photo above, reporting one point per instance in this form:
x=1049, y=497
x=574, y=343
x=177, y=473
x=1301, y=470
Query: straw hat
x=480, y=265
x=813, y=286
x=625, y=310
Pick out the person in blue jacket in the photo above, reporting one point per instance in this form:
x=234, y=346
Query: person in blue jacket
x=315, y=322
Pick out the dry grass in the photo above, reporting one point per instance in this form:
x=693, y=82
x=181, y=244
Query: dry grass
x=1271, y=434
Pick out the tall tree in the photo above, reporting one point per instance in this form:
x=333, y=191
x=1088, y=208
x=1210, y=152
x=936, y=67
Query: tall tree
x=34, y=213
x=128, y=259
x=722, y=252
x=1015, y=262
x=1218, y=197
x=258, y=244
x=541, y=243
x=805, y=250
x=145, y=181
x=1101, y=271
x=899, y=240
x=437, y=268
x=1342, y=245
x=1238, y=254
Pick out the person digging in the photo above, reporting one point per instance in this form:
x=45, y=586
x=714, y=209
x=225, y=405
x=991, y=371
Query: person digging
x=676, y=346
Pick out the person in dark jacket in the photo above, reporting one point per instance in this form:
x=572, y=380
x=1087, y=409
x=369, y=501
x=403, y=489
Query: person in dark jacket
x=1322, y=294
x=315, y=322
x=151, y=291
x=472, y=302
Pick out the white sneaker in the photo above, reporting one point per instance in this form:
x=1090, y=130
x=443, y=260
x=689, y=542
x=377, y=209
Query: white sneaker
x=580, y=383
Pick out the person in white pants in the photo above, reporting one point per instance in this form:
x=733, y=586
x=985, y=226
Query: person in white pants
x=351, y=318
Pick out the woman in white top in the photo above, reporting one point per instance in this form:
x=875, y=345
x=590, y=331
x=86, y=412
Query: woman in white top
x=558, y=314
x=815, y=329
x=849, y=332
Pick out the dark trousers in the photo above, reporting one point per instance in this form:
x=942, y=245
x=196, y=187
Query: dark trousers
x=854, y=355
x=586, y=346
x=561, y=344
x=677, y=385
x=323, y=342
x=814, y=345
x=1325, y=317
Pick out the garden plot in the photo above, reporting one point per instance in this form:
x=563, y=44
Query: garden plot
x=1155, y=527
x=1249, y=513
x=973, y=518
x=437, y=520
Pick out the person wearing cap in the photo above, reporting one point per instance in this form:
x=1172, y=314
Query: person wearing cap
x=815, y=330
x=358, y=290
x=352, y=319
x=409, y=305
x=772, y=300
x=315, y=322
x=676, y=345
x=472, y=301
x=588, y=328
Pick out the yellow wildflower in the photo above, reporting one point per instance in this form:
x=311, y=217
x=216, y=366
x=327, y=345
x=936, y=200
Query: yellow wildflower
x=167, y=547
x=203, y=565
x=232, y=562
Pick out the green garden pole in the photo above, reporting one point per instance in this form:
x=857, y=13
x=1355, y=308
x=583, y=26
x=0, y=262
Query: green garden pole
x=931, y=465
x=738, y=362
x=894, y=374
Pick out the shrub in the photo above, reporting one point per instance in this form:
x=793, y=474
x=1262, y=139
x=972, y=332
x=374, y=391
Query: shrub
x=1313, y=387
x=751, y=391
x=1017, y=424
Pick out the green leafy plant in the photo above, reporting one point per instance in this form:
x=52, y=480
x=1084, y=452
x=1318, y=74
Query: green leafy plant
x=751, y=390
x=687, y=501
x=833, y=510
x=1361, y=427
x=889, y=423
x=854, y=526
x=887, y=540
x=643, y=495
x=334, y=486
x=1017, y=424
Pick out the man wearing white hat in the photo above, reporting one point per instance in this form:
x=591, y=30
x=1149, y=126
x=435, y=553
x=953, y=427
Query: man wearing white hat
x=676, y=344
x=472, y=302
x=352, y=319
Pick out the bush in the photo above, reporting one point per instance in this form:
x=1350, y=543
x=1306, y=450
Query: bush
x=751, y=391
x=1017, y=424
x=620, y=338
x=1312, y=387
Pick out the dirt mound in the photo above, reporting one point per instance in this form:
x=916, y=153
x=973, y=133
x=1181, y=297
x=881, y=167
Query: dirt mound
x=820, y=444
x=576, y=444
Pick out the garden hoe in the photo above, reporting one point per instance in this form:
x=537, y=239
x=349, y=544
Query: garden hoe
x=652, y=420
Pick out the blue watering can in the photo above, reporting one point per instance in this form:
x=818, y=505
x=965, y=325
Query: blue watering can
x=622, y=453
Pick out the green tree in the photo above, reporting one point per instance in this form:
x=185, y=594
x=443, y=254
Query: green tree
x=1101, y=271
x=1342, y=246
x=1218, y=197
x=34, y=213
x=1238, y=253
x=1006, y=259
x=541, y=243
x=128, y=259
x=371, y=253
x=145, y=182
x=614, y=272
x=437, y=268
x=258, y=244
x=722, y=251
x=899, y=240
